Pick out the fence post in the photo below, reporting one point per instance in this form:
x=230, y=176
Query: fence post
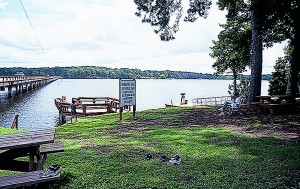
x=15, y=122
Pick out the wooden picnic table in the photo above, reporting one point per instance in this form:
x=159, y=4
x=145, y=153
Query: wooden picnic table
x=22, y=145
x=34, y=144
x=277, y=104
x=276, y=99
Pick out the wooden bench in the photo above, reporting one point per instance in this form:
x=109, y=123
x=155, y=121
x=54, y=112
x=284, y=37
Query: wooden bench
x=51, y=148
x=25, y=179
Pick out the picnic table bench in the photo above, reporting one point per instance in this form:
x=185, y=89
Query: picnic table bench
x=278, y=104
x=25, y=179
x=35, y=145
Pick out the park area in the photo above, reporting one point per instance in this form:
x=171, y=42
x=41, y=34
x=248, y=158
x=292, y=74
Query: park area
x=244, y=150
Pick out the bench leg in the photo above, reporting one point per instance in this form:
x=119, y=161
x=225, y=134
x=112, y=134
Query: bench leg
x=41, y=162
x=34, y=151
x=31, y=162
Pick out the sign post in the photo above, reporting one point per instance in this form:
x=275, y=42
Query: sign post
x=127, y=94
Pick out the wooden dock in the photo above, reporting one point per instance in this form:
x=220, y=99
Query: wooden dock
x=207, y=101
x=88, y=106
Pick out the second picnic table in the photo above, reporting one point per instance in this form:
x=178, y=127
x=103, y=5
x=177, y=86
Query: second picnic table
x=277, y=104
x=24, y=144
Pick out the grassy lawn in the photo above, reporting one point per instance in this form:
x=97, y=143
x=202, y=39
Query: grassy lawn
x=216, y=151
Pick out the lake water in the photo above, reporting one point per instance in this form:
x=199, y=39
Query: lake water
x=37, y=110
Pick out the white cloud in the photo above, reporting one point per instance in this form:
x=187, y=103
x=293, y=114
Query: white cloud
x=2, y=4
x=104, y=33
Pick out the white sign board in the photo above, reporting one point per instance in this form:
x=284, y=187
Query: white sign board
x=127, y=92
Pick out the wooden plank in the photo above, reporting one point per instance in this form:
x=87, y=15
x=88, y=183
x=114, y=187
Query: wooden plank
x=27, y=134
x=51, y=130
x=25, y=138
x=32, y=138
x=51, y=148
x=26, y=143
x=25, y=179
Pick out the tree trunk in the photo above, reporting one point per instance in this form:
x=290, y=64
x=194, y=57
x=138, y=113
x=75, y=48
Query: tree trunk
x=234, y=81
x=257, y=48
x=292, y=88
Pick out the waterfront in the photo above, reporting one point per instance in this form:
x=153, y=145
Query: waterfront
x=36, y=108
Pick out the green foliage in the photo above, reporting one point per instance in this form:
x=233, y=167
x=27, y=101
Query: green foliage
x=4, y=130
x=165, y=16
x=232, y=50
x=278, y=82
x=243, y=88
x=95, y=72
x=279, y=78
x=280, y=21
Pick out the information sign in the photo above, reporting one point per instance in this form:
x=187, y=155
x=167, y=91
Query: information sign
x=127, y=92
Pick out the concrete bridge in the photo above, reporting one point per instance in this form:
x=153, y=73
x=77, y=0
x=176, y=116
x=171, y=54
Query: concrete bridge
x=23, y=83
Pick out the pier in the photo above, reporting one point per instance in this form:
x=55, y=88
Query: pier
x=88, y=106
x=219, y=100
x=211, y=100
x=22, y=83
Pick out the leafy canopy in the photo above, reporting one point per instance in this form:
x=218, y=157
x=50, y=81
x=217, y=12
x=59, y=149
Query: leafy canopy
x=165, y=15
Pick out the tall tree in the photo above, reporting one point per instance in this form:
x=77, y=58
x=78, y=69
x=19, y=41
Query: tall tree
x=281, y=22
x=279, y=78
x=272, y=21
x=257, y=49
x=278, y=82
x=232, y=50
x=158, y=13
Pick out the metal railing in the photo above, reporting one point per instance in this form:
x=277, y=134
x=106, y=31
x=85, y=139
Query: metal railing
x=210, y=100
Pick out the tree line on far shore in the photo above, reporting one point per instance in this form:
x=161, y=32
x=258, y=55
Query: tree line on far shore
x=96, y=72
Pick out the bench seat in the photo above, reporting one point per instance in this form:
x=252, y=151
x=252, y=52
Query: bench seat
x=51, y=148
x=25, y=179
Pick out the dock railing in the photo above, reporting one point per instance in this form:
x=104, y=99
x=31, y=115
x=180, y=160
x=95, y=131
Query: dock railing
x=210, y=100
x=89, y=105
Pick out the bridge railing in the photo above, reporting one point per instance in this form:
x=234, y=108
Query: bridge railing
x=22, y=78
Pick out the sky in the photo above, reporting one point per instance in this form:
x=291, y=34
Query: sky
x=105, y=33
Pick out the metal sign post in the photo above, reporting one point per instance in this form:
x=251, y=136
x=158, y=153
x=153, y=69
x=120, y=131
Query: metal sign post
x=127, y=94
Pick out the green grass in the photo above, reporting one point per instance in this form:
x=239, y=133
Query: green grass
x=101, y=152
x=4, y=130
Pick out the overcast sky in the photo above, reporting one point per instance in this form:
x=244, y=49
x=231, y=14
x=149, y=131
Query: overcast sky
x=104, y=33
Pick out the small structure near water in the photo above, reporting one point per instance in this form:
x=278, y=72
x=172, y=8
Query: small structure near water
x=210, y=100
x=87, y=106
x=183, y=102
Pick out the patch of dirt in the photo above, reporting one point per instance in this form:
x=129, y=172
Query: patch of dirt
x=247, y=121
x=106, y=149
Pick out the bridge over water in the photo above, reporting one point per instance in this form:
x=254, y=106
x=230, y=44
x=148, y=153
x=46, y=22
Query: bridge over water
x=24, y=83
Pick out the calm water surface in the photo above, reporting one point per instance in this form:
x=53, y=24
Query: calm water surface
x=37, y=110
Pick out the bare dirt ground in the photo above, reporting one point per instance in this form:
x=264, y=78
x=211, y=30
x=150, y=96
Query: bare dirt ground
x=247, y=121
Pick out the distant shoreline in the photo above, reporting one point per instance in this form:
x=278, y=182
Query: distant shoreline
x=96, y=72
